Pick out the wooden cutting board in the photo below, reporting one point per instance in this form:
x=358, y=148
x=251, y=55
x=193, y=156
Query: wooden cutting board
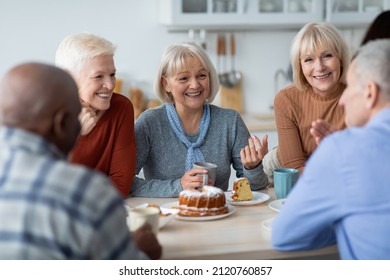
x=232, y=98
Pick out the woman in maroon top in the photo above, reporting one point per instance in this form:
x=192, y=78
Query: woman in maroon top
x=106, y=142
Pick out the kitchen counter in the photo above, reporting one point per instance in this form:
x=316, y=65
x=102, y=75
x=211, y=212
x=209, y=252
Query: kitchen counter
x=259, y=122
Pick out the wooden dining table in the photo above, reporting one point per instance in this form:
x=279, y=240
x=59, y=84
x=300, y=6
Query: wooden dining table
x=241, y=235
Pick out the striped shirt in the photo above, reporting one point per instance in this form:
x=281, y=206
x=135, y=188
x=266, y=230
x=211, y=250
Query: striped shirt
x=50, y=209
x=294, y=113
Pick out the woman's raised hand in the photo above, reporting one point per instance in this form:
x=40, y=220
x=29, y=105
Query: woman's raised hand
x=253, y=153
x=320, y=129
x=88, y=118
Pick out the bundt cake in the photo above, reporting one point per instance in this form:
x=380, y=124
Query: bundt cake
x=210, y=201
x=241, y=190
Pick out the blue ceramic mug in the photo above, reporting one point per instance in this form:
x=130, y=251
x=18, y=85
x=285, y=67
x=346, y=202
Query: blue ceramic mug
x=284, y=181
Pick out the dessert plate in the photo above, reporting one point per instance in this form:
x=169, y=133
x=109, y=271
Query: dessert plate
x=267, y=224
x=231, y=208
x=276, y=205
x=258, y=197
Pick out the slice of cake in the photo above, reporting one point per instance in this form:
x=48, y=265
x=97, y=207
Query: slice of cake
x=241, y=190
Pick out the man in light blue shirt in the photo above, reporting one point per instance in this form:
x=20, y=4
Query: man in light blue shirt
x=343, y=196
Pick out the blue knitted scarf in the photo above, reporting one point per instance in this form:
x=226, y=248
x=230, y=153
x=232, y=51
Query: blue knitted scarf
x=193, y=152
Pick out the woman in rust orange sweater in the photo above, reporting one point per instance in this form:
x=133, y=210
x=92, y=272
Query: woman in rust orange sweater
x=107, y=140
x=320, y=59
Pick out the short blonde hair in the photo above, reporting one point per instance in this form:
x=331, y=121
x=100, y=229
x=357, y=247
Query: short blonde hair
x=309, y=38
x=76, y=49
x=174, y=58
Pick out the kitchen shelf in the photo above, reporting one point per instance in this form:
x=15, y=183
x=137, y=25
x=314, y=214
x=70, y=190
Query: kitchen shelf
x=238, y=14
x=353, y=13
x=182, y=15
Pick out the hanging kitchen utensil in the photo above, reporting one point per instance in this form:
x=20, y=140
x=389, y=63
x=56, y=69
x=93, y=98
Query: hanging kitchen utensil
x=231, y=96
x=234, y=75
x=221, y=51
x=202, y=36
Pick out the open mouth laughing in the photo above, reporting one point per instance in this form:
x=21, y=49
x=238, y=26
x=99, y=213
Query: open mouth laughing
x=103, y=95
x=322, y=77
x=192, y=94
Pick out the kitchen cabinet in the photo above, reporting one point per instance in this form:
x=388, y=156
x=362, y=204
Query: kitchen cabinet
x=238, y=14
x=266, y=14
x=354, y=12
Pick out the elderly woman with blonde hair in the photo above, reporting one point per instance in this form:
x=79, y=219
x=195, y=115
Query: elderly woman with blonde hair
x=107, y=140
x=320, y=59
x=188, y=129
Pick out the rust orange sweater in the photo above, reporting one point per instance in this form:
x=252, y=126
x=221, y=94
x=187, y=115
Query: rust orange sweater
x=294, y=113
x=110, y=146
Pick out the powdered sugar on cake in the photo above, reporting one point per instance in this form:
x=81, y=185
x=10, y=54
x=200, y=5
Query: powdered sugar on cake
x=209, y=202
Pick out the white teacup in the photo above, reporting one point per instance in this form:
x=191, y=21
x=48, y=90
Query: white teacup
x=138, y=216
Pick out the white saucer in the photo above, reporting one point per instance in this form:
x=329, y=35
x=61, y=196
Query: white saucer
x=276, y=205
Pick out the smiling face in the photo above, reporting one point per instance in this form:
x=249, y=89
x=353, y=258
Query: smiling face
x=189, y=86
x=96, y=82
x=322, y=70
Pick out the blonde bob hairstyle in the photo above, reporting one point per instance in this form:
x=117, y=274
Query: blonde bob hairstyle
x=174, y=59
x=76, y=49
x=314, y=36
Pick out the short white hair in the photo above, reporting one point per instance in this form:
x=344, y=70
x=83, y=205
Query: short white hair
x=76, y=49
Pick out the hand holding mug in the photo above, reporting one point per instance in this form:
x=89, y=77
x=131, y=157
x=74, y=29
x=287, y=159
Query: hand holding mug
x=190, y=180
x=210, y=176
x=201, y=174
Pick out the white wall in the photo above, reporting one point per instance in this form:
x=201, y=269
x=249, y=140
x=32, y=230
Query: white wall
x=32, y=30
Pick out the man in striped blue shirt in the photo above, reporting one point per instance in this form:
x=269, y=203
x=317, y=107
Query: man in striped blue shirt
x=50, y=209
